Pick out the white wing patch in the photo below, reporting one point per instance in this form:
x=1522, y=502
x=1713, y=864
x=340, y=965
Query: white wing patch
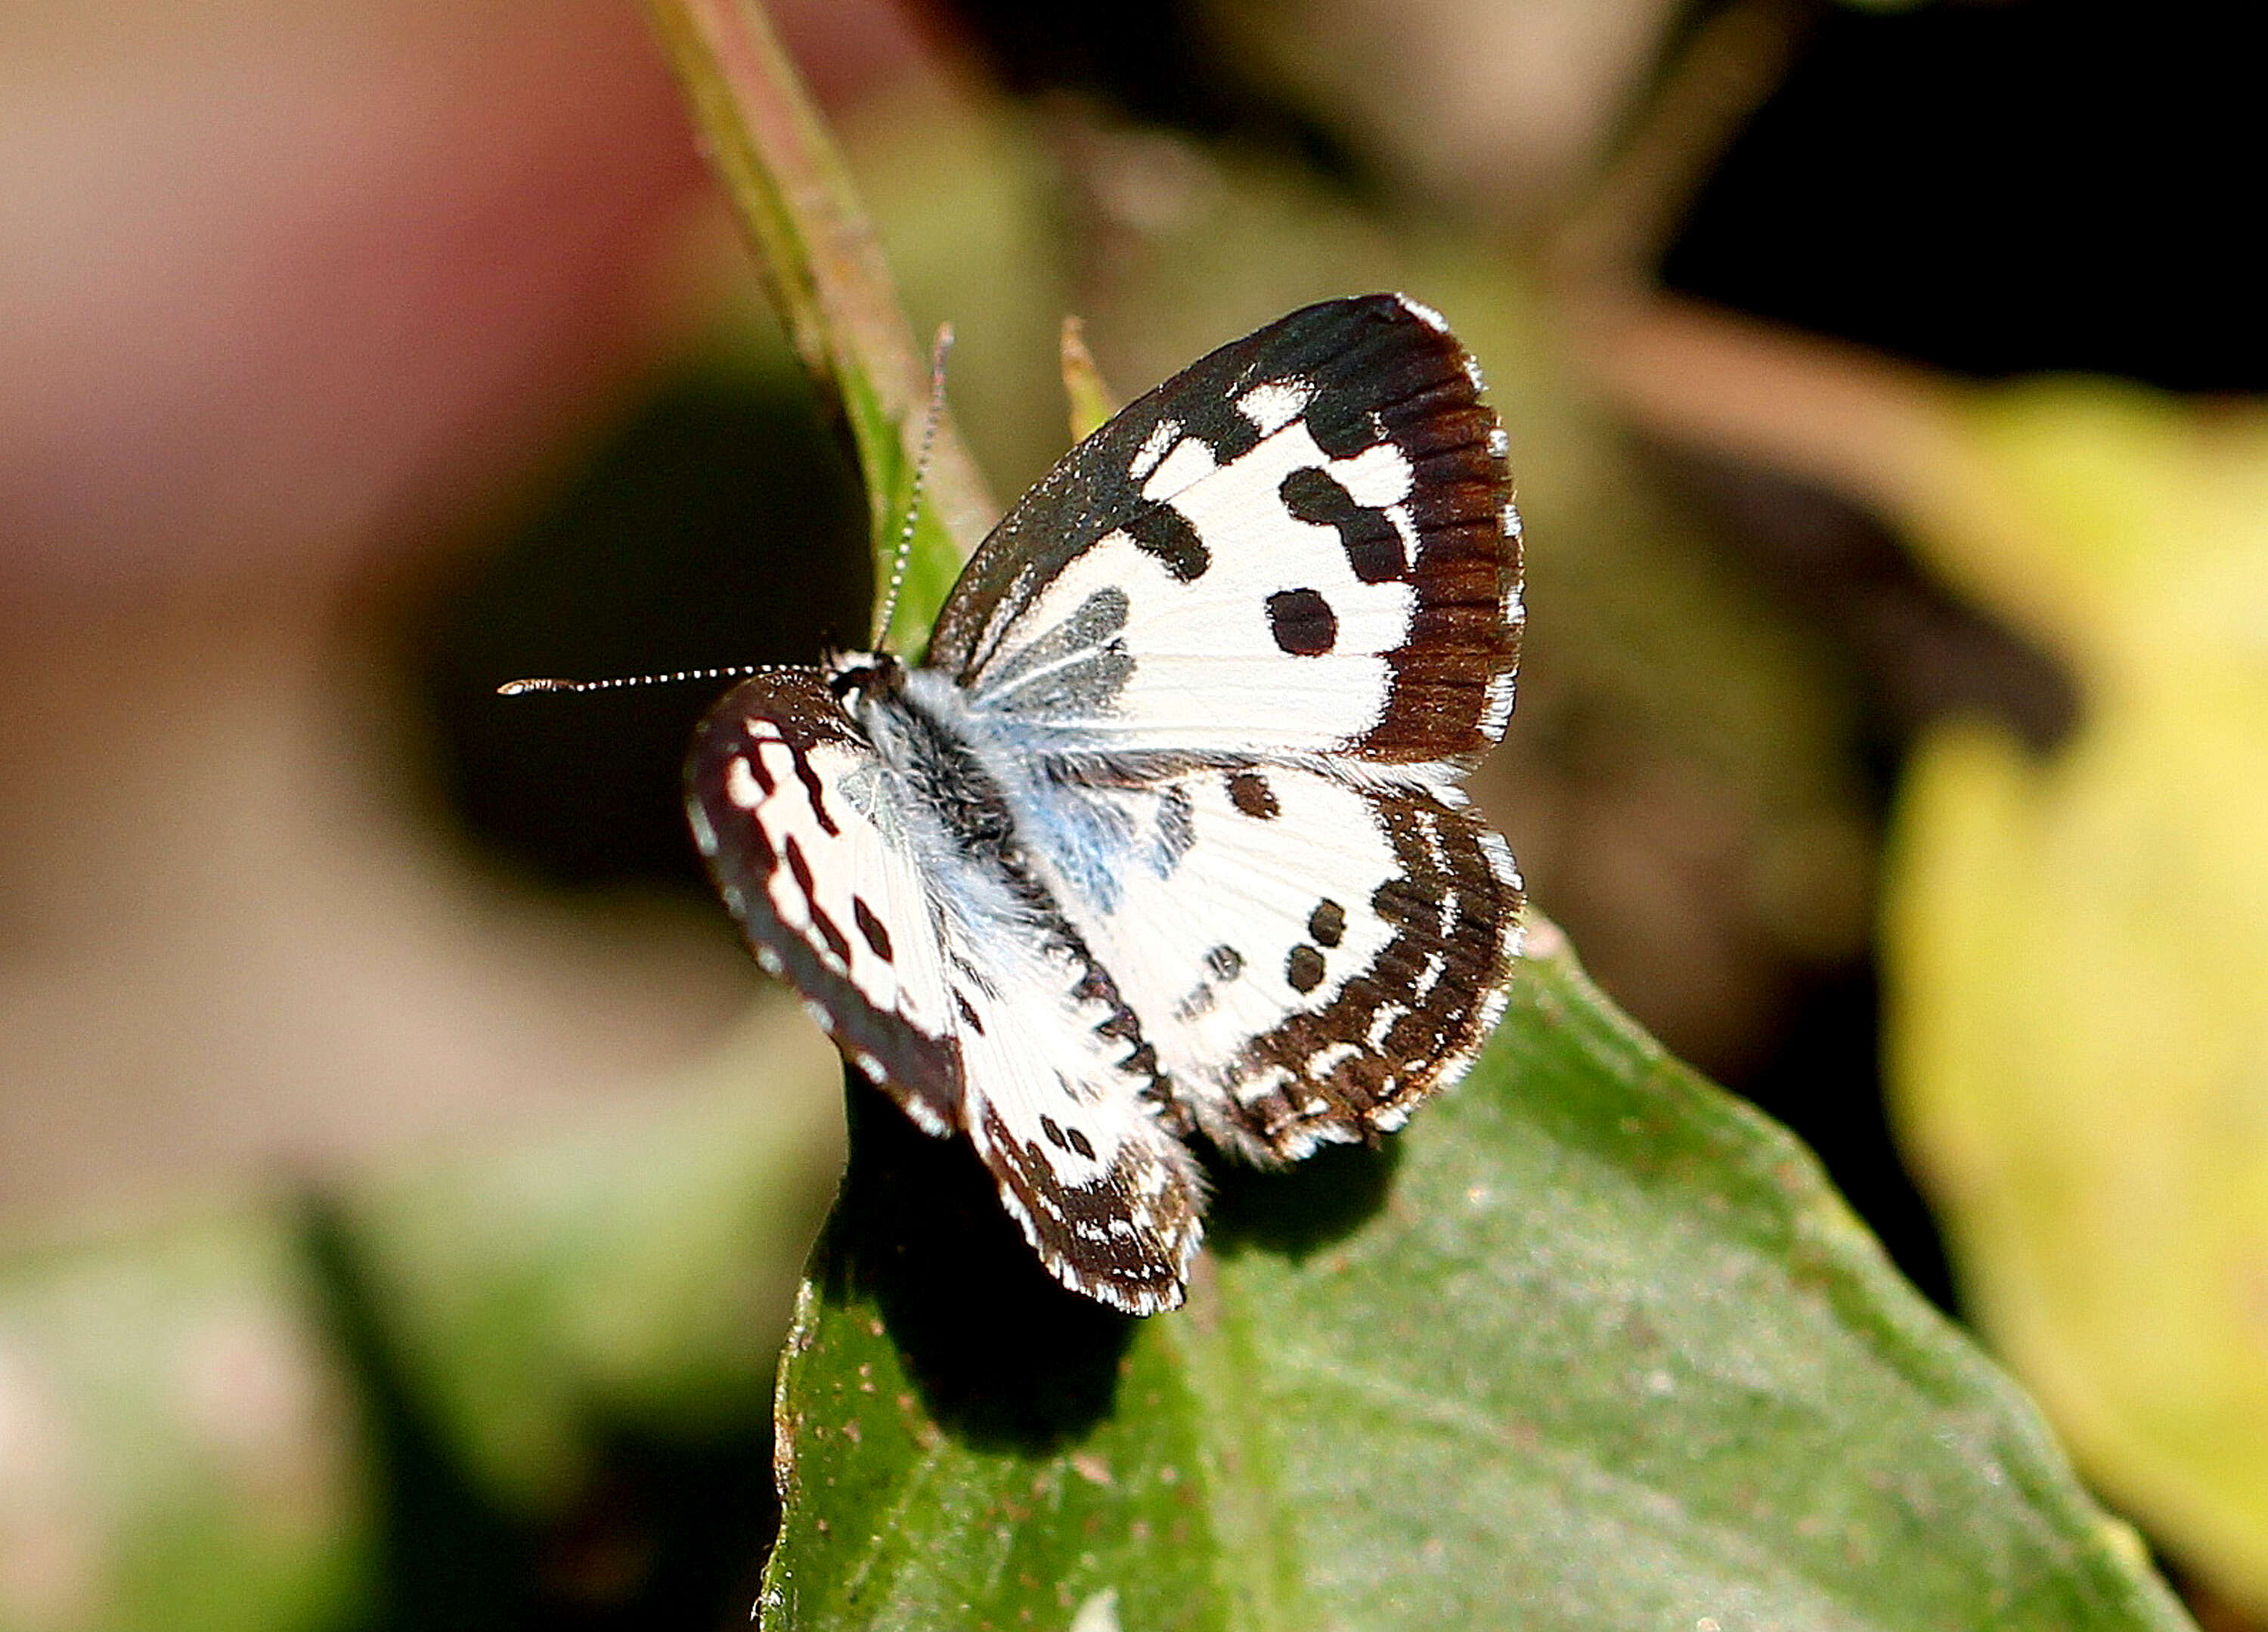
x=1274, y=644
x=1275, y=403
x=1162, y=436
x=1186, y=461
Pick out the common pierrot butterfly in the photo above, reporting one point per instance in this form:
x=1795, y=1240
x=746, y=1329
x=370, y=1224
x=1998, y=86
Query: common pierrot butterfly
x=1164, y=837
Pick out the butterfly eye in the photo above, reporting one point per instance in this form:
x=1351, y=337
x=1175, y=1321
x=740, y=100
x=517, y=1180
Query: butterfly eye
x=877, y=673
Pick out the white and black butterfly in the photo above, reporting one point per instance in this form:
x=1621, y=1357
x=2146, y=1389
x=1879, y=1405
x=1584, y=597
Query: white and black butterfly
x=1165, y=837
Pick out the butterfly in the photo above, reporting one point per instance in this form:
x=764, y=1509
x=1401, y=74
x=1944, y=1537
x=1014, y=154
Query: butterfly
x=1164, y=838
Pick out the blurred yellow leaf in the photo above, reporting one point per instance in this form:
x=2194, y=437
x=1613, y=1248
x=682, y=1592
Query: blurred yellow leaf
x=1091, y=399
x=2078, y=947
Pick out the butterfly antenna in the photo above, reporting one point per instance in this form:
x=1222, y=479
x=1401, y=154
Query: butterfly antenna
x=522, y=688
x=937, y=349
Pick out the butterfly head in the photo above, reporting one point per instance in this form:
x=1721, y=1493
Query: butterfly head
x=854, y=677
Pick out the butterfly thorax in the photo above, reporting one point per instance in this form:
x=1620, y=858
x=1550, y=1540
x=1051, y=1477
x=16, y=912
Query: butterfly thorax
x=998, y=844
x=952, y=788
x=913, y=720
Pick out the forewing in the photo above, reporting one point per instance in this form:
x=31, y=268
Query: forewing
x=782, y=799
x=1311, y=955
x=969, y=999
x=1303, y=544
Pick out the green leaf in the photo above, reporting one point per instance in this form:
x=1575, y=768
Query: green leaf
x=1591, y=1345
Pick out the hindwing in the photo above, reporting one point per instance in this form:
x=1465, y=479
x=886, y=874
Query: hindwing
x=1311, y=955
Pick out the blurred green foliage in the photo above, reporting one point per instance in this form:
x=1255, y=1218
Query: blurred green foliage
x=478, y=1392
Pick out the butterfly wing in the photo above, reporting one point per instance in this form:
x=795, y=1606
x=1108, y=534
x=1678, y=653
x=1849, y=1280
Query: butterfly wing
x=780, y=791
x=965, y=996
x=1310, y=954
x=1303, y=544
x=1064, y=1109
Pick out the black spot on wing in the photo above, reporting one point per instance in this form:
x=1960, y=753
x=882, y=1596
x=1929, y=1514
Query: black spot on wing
x=1304, y=968
x=1327, y=924
x=1176, y=829
x=1162, y=531
x=1372, y=544
x=751, y=832
x=837, y=943
x=817, y=793
x=1226, y=962
x=799, y=866
x=1302, y=622
x=1119, y=1025
x=1250, y=792
x=871, y=926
